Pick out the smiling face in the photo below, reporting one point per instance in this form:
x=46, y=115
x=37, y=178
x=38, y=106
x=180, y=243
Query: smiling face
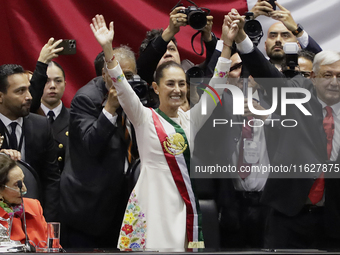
x=277, y=36
x=16, y=102
x=172, y=90
x=11, y=193
x=327, y=83
x=54, y=87
x=171, y=54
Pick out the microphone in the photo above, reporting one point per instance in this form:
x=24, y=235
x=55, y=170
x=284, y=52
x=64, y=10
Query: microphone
x=28, y=247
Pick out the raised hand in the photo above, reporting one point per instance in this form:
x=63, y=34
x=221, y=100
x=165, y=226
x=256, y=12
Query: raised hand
x=100, y=31
x=49, y=51
x=229, y=30
x=175, y=22
x=104, y=37
x=206, y=31
x=234, y=16
x=285, y=17
x=261, y=7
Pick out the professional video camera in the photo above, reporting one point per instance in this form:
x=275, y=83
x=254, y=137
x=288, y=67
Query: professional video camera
x=253, y=28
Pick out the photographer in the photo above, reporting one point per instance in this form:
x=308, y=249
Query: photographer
x=160, y=46
x=286, y=30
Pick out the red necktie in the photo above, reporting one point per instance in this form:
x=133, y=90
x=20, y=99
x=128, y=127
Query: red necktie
x=316, y=192
x=247, y=132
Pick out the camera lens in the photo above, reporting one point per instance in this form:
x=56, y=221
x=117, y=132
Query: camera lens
x=195, y=75
x=253, y=28
x=197, y=20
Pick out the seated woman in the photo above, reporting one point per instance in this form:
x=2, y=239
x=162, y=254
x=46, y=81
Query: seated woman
x=162, y=212
x=11, y=205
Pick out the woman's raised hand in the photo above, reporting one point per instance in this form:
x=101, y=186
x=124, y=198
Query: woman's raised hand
x=100, y=31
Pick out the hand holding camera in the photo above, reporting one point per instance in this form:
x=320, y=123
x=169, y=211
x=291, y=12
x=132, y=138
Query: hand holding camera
x=49, y=51
x=177, y=19
x=263, y=7
x=285, y=17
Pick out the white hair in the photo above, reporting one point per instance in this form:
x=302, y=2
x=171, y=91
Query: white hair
x=325, y=57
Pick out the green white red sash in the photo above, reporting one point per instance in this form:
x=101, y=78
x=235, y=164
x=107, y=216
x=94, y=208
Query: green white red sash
x=177, y=153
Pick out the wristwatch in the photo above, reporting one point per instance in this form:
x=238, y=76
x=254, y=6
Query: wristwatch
x=298, y=30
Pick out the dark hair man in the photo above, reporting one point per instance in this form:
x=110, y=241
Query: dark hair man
x=30, y=134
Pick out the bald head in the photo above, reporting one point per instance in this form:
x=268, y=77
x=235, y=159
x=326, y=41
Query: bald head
x=277, y=36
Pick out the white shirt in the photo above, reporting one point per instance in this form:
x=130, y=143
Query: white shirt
x=256, y=180
x=56, y=110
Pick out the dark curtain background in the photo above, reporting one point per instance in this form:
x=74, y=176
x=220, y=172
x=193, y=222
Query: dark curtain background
x=27, y=25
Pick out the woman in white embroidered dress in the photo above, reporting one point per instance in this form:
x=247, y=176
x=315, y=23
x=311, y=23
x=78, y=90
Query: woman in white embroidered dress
x=161, y=212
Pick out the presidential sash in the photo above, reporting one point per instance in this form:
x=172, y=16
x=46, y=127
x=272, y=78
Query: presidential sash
x=177, y=153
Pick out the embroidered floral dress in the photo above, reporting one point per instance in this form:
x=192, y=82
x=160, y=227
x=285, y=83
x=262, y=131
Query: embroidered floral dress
x=156, y=214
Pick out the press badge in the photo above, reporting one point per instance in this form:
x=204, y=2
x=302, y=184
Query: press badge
x=251, y=151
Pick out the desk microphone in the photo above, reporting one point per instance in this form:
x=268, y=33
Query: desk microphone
x=28, y=247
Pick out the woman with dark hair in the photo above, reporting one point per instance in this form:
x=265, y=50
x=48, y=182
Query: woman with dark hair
x=162, y=212
x=11, y=208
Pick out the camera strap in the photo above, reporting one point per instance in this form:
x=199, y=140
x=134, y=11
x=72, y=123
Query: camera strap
x=192, y=43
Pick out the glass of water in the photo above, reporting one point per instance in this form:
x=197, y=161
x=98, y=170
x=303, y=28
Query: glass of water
x=53, y=236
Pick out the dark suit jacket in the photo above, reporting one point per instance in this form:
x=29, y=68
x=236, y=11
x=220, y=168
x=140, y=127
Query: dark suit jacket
x=304, y=144
x=40, y=153
x=92, y=185
x=60, y=133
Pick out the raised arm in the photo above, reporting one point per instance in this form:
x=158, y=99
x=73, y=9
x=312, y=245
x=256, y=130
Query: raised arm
x=39, y=77
x=128, y=99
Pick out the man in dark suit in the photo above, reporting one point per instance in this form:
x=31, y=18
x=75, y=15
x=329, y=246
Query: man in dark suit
x=286, y=30
x=93, y=187
x=30, y=134
x=52, y=107
x=299, y=203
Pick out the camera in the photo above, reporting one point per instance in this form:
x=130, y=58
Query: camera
x=69, y=45
x=253, y=28
x=194, y=75
x=141, y=89
x=197, y=18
